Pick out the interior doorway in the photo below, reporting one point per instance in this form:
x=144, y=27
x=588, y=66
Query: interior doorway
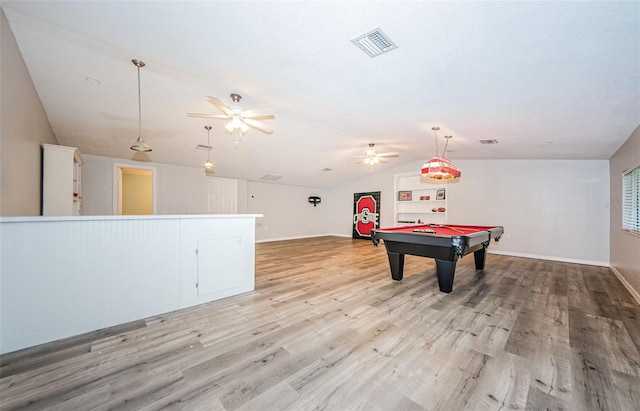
x=134, y=190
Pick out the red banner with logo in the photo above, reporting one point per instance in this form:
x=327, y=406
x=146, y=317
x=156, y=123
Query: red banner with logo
x=366, y=214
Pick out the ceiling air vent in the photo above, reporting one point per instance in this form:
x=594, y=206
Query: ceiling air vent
x=270, y=177
x=326, y=169
x=203, y=147
x=374, y=42
x=488, y=141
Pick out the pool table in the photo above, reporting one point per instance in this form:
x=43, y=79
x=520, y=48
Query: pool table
x=446, y=243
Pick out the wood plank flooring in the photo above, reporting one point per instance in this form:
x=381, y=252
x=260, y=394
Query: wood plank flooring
x=327, y=328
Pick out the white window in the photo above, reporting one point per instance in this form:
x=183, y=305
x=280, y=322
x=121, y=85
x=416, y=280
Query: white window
x=631, y=201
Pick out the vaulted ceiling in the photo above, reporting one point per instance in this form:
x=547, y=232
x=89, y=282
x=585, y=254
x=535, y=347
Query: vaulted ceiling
x=548, y=80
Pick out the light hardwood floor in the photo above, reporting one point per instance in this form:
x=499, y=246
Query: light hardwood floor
x=327, y=328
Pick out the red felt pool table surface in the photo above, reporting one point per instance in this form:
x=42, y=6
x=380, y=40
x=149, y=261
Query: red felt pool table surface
x=440, y=229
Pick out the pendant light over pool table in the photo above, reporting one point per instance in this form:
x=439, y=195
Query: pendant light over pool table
x=439, y=167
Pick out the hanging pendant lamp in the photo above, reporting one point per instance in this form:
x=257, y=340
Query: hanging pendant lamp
x=439, y=167
x=208, y=165
x=140, y=144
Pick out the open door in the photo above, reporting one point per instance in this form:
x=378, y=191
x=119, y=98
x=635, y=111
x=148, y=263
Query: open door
x=134, y=190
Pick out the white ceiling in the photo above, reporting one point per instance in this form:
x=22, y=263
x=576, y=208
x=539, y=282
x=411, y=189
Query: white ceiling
x=548, y=80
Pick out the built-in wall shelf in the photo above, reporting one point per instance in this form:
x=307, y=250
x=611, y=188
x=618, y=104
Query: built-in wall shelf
x=419, y=201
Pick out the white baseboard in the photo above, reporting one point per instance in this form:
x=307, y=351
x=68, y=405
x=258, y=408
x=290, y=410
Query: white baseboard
x=550, y=258
x=632, y=291
x=341, y=235
x=269, y=240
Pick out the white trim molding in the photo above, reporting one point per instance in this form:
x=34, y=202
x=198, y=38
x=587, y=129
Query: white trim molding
x=632, y=291
x=550, y=258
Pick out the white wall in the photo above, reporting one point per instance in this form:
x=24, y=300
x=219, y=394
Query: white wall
x=342, y=200
x=287, y=212
x=553, y=209
x=183, y=190
x=625, y=247
x=180, y=190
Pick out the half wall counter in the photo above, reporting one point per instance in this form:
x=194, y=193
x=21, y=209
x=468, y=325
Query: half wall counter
x=63, y=276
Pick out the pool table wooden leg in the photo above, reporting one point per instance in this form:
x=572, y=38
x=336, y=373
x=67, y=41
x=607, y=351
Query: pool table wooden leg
x=396, y=262
x=480, y=256
x=446, y=271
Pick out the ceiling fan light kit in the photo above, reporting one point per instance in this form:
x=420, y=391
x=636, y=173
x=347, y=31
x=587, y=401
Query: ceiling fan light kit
x=371, y=157
x=236, y=125
x=239, y=120
x=439, y=167
x=372, y=161
x=139, y=145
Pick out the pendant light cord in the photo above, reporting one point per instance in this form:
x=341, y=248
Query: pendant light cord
x=139, y=106
x=446, y=144
x=140, y=144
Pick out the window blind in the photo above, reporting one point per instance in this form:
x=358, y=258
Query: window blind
x=631, y=201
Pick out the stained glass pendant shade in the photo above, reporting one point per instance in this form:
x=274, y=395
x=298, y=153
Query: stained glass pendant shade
x=439, y=167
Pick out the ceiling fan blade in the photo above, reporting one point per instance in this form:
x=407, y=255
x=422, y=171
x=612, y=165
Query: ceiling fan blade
x=258, y=126
x=390, y=154
x=258, y=114
x=216, y=102
x=202, y=115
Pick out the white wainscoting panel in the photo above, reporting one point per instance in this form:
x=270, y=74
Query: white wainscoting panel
x=64, y=276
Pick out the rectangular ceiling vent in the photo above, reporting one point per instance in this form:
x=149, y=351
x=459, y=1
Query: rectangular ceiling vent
x=203, y=147
x=326, y=169
x=488, y=141
x=374, y=42
x=270, y=177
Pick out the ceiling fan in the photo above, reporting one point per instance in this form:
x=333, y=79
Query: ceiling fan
x=371, y=157
x=239, y=120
